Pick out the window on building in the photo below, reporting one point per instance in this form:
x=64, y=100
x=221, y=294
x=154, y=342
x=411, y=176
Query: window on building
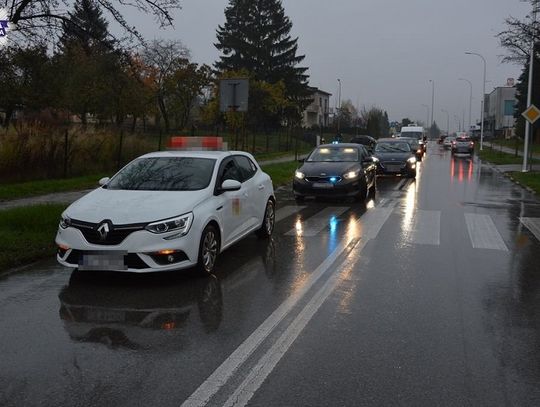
x=509, y=107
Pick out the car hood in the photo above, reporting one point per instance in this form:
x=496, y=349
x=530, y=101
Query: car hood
x=315, y=169
x=393, y=156
x=127, y=207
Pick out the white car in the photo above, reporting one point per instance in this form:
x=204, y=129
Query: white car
x=447, y=143
x=168, y=211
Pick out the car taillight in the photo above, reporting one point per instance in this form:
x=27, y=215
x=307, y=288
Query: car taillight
x=472, y=143
x=453, y=142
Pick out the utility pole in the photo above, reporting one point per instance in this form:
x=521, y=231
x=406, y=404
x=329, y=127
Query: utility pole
x=339, y=107
x=432, y=100
x=529, y=97
x=483, y=97
x=470, y=100
x=427, y=118
x=447, y=121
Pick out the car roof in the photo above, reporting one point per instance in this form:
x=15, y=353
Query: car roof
x=195, y=154
x=393, y=140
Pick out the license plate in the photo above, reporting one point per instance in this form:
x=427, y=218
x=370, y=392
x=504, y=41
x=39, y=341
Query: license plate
x=107, y=261
x=101, y=315
x=393, y=168
x=323, y=185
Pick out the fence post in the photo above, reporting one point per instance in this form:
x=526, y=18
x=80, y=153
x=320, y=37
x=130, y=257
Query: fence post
x=66, y=149
x=159, y=142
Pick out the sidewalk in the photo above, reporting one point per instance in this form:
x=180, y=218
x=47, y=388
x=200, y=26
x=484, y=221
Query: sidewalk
x=515, y=167
x=69, y=197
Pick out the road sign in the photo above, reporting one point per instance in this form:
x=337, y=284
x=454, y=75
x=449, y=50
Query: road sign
x=532, y=114
x=234, y=95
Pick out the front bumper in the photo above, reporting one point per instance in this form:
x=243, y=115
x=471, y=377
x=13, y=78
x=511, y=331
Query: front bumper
x=395, y=168
x=137, y=253
x=343, y=188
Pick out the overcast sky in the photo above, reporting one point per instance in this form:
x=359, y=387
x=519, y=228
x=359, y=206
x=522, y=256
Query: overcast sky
x=384, y=51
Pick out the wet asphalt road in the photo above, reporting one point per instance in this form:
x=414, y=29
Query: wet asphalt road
x=428, y=295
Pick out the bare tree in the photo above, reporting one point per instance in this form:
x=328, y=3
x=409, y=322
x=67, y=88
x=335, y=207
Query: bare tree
x=43, y=18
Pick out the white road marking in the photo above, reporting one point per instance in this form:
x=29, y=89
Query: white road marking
x=207, y=390
x=287, y=211
x=425, y=228
x=483, y=233
x=373, y=221
x=271, y=358
x=533, y=224
x=400, y=184
x=318, y=222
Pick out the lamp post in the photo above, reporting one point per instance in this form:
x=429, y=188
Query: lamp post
x=470, y=100
x=458, y=121
x=339, y=107
x=447, y=121
x=529, y=99
x=427, y=117
x=432, y=100
x=483, y=97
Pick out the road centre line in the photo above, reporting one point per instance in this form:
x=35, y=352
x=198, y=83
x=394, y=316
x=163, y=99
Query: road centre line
x=256, y=377
x=483, y=232
x=203, y=394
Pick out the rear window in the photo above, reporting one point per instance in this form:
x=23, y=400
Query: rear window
x=462, y=139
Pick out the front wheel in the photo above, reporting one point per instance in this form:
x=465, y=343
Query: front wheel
x=267, y=227
x=412, y=174
x=208, y=250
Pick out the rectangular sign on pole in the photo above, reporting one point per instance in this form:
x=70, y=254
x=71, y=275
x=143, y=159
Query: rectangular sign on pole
x=234, y=95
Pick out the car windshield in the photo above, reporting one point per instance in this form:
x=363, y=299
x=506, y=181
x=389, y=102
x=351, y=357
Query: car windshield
x=165, y=174
x=393, y=147
x=334, y=154
x=413, y=134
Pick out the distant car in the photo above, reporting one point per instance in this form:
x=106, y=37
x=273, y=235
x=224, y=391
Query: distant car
x=167, y=211
x=463, y=145
x=417, y=132
x=395, y=157
x=447, y=143
x=366, y=141
x=415, y=146
x=441, y=139
x=336, y=170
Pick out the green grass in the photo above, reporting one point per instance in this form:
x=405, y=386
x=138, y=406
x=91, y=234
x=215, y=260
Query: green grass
x=282, y=173
x=530, y=179
x=43, y=187
x=500, y=158
x=512, y=144
x=27, y=234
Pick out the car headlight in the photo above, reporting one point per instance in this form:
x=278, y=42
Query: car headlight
x=375, y=159
x=351, y=174
x=65, y=222
x=299, y=175
x=412, y=160
x=180, y=224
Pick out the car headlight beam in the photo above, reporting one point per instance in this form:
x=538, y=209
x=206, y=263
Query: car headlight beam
x=179, y=224
x=412, y=160
x=299, y=175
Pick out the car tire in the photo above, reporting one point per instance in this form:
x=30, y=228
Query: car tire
x=208, y=250
x=363, y=193
x=269, y=221
x=373, y=190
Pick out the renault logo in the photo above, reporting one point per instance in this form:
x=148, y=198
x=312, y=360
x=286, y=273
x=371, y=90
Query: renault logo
x=103, y=229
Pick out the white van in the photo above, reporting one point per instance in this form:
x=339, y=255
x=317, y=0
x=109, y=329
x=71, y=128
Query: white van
x=416, y=132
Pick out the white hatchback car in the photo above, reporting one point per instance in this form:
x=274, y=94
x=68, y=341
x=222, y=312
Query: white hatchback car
x=167, y=211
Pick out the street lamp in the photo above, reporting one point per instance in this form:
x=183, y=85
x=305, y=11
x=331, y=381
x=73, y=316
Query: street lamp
x=339, y=107
x=458, y=121
x=447, y=121
x=432, y=99
x=427, y=118
x=483, y=97
x=470, y=100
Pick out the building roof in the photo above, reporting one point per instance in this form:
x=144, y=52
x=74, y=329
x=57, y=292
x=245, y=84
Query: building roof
x=317, y=90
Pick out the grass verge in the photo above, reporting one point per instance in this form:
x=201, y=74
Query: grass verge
x=282, y=173
x=27, y=234
x=529, y=179
x=501, y=158
x=43, y=187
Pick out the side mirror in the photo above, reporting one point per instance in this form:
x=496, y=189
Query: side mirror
x=230, y=185
x=302, y=160
x=104, y=181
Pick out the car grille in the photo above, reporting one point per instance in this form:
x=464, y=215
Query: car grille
x=323, y=179
x=115, y=236
x=132, y=260
x=392, y=164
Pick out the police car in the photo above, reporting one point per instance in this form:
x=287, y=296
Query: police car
x=168, y=211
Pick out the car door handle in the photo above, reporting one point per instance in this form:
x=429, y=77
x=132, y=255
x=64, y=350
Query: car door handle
x=261, y=187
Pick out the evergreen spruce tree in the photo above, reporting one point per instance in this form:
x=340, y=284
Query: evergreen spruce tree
x=256, y=38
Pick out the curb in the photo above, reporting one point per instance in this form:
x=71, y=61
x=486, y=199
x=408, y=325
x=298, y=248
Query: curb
x=508, y=176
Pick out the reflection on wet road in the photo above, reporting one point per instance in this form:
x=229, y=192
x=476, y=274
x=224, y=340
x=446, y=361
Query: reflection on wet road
x=428, y=294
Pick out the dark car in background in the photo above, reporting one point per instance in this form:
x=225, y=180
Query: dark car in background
x=336, y=170
x=366, y=141
x=463, y=145
x=416, y=147
x=395, y=157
